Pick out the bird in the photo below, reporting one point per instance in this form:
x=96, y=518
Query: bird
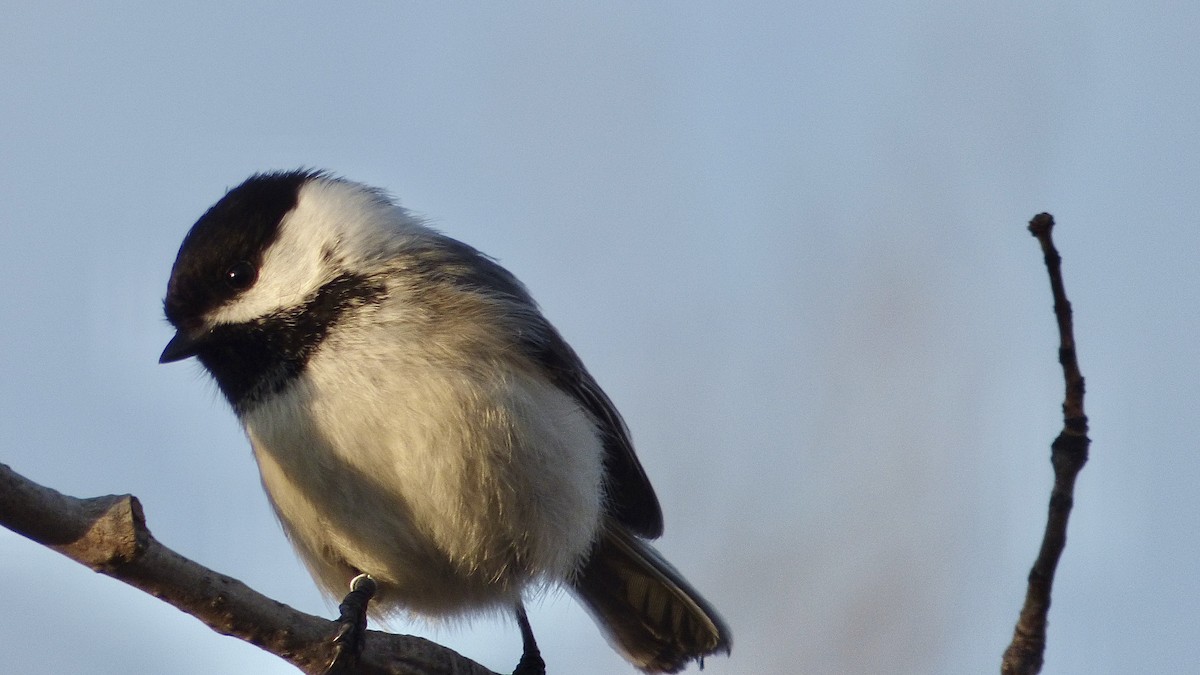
x=419, y=424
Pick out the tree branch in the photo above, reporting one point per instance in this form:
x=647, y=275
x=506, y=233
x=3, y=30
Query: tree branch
x=1068, y=454
x=109, y=535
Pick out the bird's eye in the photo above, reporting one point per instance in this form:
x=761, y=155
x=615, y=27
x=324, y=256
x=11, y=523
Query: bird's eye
x=241, y=276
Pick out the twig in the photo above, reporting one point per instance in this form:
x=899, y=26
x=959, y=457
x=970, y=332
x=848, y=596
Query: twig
x=109, y=535
x=1068, y=454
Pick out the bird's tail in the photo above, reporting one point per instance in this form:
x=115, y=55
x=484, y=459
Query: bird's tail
x=646, y=608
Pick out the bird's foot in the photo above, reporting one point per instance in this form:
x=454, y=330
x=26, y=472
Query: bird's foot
x=531, y=662
x=352, y=626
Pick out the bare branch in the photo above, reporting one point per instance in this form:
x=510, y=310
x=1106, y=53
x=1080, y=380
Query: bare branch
x=1068, y=454
x=109, y=535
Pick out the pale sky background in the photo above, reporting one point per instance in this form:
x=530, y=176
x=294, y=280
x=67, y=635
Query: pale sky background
x=788, y=239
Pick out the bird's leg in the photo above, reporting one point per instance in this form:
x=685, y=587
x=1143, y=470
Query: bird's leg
x=352, y=626
x=531, y=658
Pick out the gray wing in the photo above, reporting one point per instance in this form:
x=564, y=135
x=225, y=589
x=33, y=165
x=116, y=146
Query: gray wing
x=630, y=497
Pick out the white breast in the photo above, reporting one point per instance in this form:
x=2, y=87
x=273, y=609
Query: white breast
x=456, y=487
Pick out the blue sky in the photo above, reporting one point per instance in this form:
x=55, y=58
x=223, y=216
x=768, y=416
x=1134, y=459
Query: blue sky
x=789, y=242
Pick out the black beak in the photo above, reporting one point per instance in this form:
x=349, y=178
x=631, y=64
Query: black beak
x=180, y=347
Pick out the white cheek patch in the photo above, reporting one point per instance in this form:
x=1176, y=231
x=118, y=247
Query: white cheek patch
x=334, y=226
x=290, y=271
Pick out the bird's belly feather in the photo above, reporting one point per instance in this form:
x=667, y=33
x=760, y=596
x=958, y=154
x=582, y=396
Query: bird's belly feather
x=456, y=496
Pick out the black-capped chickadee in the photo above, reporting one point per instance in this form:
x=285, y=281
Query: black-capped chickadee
x=416, y=419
